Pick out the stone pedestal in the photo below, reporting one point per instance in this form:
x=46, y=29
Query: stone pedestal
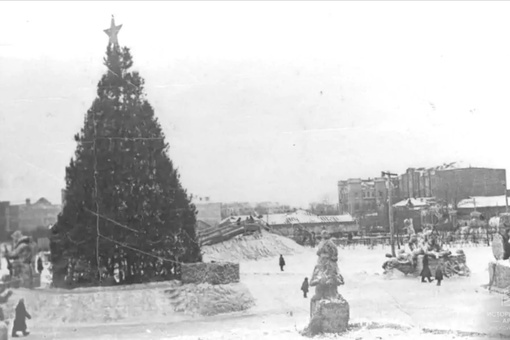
x=4, y=331
x=499, y=274
x=212, y=273
x=328, y=316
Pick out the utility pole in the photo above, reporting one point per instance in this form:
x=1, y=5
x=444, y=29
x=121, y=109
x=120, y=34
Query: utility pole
x=506, y=196
x=390, y=209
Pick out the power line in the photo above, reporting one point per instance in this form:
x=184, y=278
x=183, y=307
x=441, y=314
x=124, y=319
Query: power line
x=113, y=221
x=97, y=204
x=139, y=251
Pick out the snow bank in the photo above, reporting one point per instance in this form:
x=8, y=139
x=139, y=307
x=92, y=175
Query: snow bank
x=130, y=304
x=357, y=332
x=205, y=299
x=213, y=273
x=251, y=247
x=94, y=305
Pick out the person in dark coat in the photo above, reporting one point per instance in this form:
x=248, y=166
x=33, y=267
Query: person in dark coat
x=19, y=321
x=440, y=274
x=506, y=244
x=282, y=262
x=425, y=272
x=304, y=287
x=40, y=266
x=9, y=267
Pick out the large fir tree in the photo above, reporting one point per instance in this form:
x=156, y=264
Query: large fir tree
x=124, y=203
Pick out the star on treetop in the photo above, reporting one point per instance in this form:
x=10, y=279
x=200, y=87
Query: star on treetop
x=112, y=32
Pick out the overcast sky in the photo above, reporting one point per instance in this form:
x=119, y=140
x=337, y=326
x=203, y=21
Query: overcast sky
x=263, y=101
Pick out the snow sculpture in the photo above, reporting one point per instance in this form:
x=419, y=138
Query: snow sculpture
x=329, y=312
x=20, y=259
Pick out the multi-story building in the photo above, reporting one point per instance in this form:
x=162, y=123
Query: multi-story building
x=207, y=211
x=450, y=184
x=363, y=195
x=27, y=217
x=367, y=199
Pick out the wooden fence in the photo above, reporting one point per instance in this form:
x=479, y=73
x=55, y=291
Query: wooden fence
x=454, y=240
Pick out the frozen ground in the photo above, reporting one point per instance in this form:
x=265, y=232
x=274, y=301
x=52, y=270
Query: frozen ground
x=381, y=308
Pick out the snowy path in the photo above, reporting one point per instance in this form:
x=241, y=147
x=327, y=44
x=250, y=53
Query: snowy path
x=281, y=311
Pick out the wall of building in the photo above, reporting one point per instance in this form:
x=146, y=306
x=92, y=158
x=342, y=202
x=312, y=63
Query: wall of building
x=362, y=197
x=27, y=217
x=457, y=184
x=31, y=216
x=210, y=213
x=288, y=229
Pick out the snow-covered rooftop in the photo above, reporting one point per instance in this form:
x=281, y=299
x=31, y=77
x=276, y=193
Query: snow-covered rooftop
x=233, y=219
x=303, y=217
x=482, y=202
x=419, y=202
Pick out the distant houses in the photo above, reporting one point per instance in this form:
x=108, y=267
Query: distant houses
x=300, y=221
x=488, y=206
x=416, y=190
x=27, y=217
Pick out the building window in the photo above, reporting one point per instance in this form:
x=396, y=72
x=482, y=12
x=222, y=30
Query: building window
x=380, y=194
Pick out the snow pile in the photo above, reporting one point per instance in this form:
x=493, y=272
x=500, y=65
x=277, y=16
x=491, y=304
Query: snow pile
x=205, y=299
x=251, y=247
x=95, y=305
x=162, y=302
x=356, y=332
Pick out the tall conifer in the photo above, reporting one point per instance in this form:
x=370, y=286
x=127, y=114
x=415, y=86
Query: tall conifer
x=125, y=205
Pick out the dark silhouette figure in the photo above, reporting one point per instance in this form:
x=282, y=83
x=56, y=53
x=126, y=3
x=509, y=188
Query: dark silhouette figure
x=304, y=287
x=282, y=262
x=9, y=267
x=440, y=274
x=40, y=266
x=506, y=245
x=19, y=321
x=425, y=272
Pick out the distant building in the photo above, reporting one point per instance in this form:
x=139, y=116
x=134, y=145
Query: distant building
x=324, y=209
x=450, y=184
x=236, y=208
x=27, y=217
x=489, y=206
x=207, y=211
x=291, y=224
x=366, y=200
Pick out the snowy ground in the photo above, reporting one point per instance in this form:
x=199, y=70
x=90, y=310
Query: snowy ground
x=381, y=308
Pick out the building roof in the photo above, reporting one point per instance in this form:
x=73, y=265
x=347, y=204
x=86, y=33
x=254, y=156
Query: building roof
x=233, y=219
x=482, y=202
x=303, y=217
x=419, y=202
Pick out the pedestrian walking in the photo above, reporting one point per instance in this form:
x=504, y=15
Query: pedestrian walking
x=440, y=272
x=40, y=265
x=282, y=262
x=20, y=324
x=425, y=272
x=304, y=287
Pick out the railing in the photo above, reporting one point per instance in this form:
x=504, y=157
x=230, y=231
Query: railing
x=219, y=234
x=455, y=240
